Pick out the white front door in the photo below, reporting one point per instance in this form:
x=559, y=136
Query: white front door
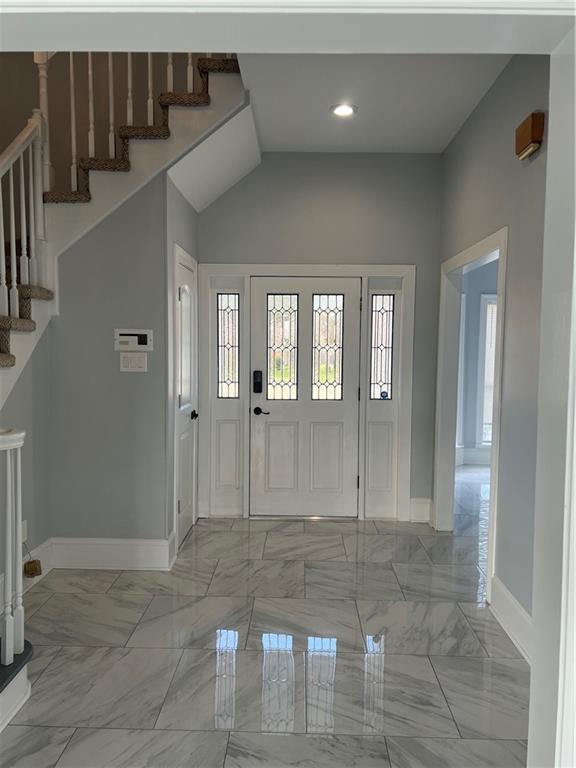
x=305, y=355
x=186, y=392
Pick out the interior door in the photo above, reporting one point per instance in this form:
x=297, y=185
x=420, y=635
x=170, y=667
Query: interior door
x=187, y=393
x=305, y=346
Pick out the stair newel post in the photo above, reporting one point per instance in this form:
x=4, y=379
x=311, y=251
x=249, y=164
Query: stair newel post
x=150, y=101
x=170, y=74
x=74, y=163
x=91, y=142
x=41, y=60
x=129, y=102
x=33, y=264
x=111, y=129
x=7, y=655
x=14, y=298
x=3, y=285
x=190, y=74
x=38, y=178
x=24, y=275
x=18, y=613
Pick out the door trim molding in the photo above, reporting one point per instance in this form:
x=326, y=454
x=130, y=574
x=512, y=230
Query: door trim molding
x=447, y=385
x=243, y=273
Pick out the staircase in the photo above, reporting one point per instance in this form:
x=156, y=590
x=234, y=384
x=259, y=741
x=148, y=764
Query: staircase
x=103, y=166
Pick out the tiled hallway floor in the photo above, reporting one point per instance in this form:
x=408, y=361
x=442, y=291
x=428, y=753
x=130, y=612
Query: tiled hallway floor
x=275, y=644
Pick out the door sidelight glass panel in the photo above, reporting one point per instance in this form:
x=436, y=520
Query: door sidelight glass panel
x=381, y=346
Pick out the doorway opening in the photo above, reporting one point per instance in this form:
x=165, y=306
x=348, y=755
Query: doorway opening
x=468, y=399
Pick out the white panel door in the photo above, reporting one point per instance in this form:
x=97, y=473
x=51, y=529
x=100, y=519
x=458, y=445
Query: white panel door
x=305, y=342
x=187, y=393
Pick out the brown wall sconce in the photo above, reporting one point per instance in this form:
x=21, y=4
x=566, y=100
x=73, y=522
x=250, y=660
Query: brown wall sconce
x=529, y=135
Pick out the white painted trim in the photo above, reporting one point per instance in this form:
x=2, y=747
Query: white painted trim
x=481, y=253
x=407, y=273
x=420, y=510
x=513, y=617
x=13, y=697
x=520, y=7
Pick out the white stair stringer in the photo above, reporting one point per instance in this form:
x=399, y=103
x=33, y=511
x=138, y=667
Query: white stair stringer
x=22, y=345
x=66, y=223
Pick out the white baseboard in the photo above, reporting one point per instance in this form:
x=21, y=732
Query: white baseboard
x=13, y=697
x=420, y=510
x=513, y=617
x=478, y=455
x=120, y=554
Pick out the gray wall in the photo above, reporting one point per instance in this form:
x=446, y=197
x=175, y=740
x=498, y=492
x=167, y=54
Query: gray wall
x=29, y=408
x=345, y=209
x=486, y=188
x=181, y=228
x=108, y=450
x=476, y=283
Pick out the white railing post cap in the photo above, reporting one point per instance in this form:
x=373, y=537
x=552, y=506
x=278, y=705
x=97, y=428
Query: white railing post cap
x=11, y=438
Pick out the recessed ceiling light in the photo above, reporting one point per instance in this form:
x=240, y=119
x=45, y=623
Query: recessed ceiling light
x=343, y=110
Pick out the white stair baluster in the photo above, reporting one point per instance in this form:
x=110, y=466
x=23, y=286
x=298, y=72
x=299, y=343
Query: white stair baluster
x=33, y=265
x=91, y=142
x=111, y=128
x=38, y=181
x=129, y=102
x=190, y=74
x=18, y=612
x=170, y=74
x=14, y=298
x=74, y=164
x=3, y=285
x=7, y=655
x=150, y=101
x=42, y=60
x=24, y=274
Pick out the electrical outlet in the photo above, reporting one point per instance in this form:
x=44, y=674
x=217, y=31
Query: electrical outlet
x=24, y=530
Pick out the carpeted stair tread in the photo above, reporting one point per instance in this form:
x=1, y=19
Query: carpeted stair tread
x=17, y=324
x=7, y=360
x=35, y=292
x=104, y=164
x=146, y=132
x=171, y=99
x=67, y=197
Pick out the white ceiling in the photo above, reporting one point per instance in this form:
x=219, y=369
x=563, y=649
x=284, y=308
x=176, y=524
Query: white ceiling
x=218, y=162
x=406, y=103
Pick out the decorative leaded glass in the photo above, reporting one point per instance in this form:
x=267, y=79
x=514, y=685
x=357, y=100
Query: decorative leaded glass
x=382, y=338
x=327, y=328
x=282, y=346
x=228, y=345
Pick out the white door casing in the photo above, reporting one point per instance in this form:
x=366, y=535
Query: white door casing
x=186, y=389
x=304, y=445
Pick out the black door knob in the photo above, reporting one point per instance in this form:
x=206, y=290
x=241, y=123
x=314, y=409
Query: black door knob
x=258, y=411
x=194, y=415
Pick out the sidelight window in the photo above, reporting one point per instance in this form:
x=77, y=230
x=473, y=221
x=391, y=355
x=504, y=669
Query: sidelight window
x=381, y=346
x=228, y=310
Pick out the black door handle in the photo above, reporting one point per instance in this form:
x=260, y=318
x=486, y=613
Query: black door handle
x=194, y=415
x=258, y=411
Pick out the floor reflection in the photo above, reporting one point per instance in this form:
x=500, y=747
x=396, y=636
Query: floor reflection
x=225, y=691
x=320, y=679
x=278, y=684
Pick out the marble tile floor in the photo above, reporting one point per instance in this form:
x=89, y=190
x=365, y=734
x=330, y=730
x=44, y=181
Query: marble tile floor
x=285, y=643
